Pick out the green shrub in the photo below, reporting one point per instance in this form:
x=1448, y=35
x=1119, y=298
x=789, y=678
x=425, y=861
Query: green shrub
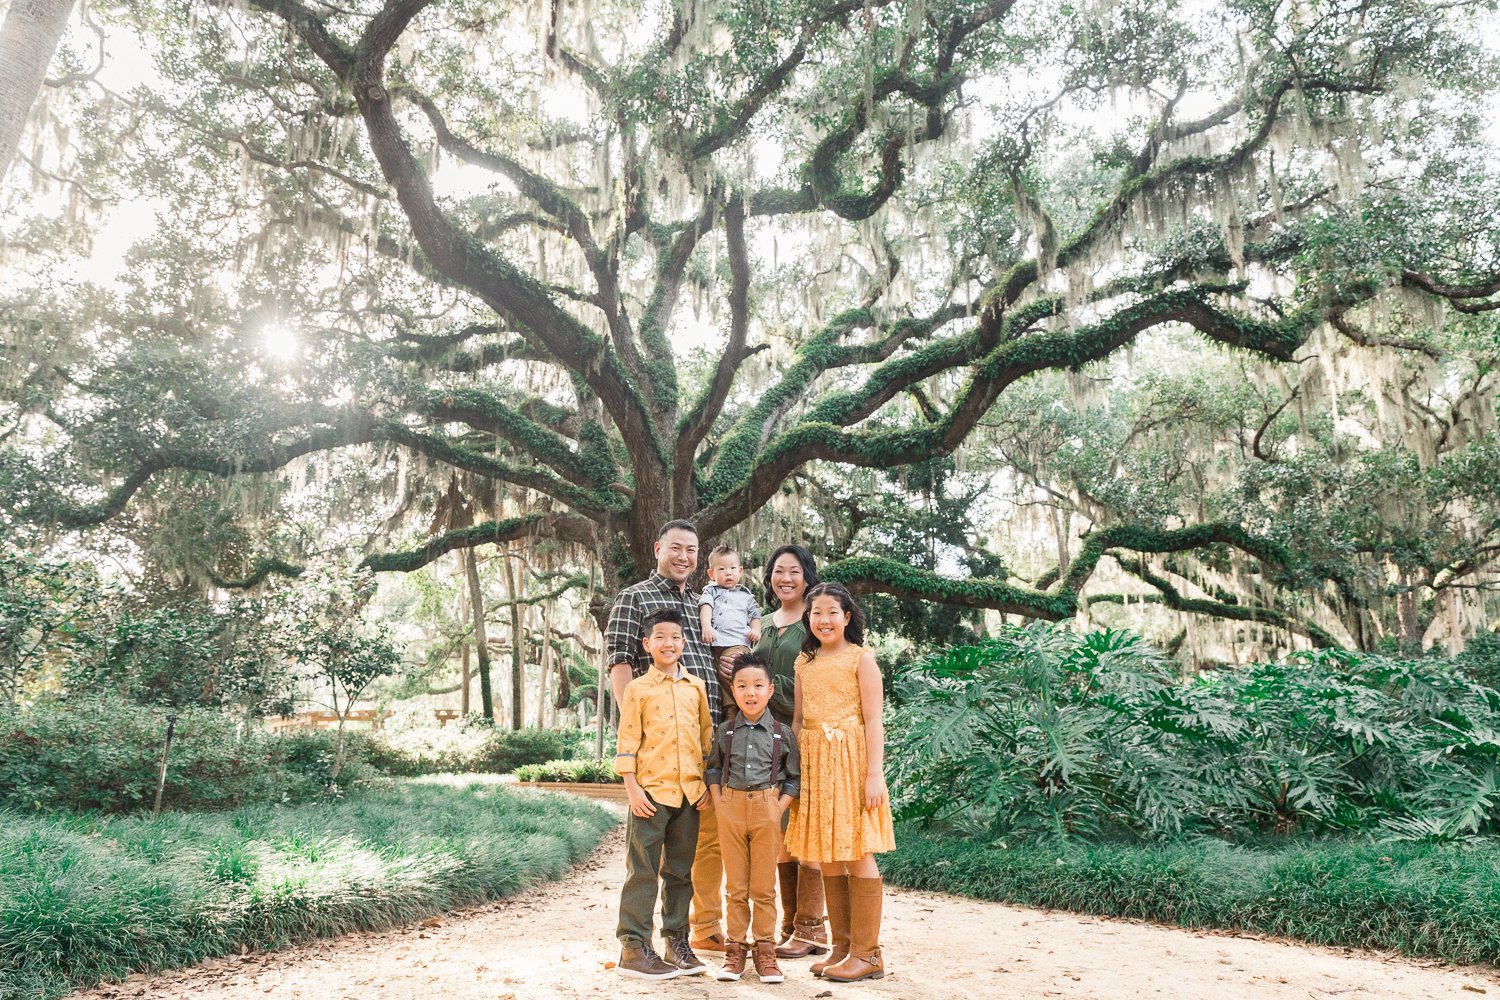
x=307, y=758
x=105, y=755
x=506, y=751
x=1045, y=733
x=91, y=898
x=473, y=748
x=1438, y=900
x=588, y=770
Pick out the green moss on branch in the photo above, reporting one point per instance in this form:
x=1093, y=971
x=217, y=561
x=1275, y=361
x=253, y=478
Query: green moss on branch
x=872, y=574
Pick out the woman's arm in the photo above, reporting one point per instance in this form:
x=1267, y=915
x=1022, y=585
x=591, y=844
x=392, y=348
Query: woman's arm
x=872, y=705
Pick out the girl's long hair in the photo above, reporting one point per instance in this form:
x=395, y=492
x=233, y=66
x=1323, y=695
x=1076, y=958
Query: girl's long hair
x=854, y=631
x=809, y=568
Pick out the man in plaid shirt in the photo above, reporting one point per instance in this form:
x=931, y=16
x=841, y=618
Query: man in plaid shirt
x=676, y=560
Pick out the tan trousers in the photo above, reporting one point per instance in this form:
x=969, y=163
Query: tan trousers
x=708, y=880
x=750, y=839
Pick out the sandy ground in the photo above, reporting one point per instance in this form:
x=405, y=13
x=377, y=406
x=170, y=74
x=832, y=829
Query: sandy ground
x=557, y=941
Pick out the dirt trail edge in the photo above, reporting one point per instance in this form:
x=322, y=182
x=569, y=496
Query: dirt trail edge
x=556, y=940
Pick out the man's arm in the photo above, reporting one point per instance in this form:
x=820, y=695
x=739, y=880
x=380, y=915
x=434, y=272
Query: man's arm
x=622, y=637
x=619, y=677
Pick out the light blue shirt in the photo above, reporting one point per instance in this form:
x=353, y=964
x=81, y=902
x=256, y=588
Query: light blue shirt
x=733, y=611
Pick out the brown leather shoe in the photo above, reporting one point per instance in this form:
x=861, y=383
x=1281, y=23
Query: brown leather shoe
x=644, y=963
x=765, y=963
x=786, y=872
x=864, y=960
x=836, y=891
x=678, y=952
x=714, y=943
x=734, y=963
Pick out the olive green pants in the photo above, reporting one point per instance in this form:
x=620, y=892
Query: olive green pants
x=658, y=849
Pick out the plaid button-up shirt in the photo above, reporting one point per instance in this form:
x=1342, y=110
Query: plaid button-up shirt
x=622, y=636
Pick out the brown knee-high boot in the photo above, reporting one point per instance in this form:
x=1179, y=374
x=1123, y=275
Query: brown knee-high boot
x=836, y=890
x=864, y=961
x=786, y=871
x=809, y=935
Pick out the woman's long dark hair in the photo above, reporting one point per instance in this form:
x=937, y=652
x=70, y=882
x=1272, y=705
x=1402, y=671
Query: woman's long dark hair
x=854, y=631
x=809, y=568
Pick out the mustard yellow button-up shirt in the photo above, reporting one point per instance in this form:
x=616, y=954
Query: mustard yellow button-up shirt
x=665, y=733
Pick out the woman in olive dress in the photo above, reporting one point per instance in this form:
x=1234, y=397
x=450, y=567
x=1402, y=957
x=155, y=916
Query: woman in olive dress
x=790, y=571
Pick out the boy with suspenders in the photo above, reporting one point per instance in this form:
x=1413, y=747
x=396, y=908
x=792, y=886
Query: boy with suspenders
x=753, y=775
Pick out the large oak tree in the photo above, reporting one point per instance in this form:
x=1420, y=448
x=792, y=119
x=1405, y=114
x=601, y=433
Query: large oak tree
x=636, y=261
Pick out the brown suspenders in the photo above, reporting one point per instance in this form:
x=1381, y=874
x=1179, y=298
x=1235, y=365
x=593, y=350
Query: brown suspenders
x=776, y=752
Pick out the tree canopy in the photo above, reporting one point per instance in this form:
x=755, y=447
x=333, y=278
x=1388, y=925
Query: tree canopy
x=623, y=262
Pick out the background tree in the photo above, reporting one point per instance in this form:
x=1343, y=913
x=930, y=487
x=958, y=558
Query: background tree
x=341, y=659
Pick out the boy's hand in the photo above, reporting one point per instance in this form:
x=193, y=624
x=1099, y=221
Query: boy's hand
x=753, y=634
x=875, y=793
x=709, y=635
x=640, y=803
x=704, y=802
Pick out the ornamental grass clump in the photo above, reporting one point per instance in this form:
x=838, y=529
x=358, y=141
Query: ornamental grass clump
x=95, y=897
x=1043, y=733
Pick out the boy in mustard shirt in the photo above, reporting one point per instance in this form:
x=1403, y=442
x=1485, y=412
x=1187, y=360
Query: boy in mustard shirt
x=665, y=734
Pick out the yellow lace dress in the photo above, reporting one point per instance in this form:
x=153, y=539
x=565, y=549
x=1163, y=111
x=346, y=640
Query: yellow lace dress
x=829, y=821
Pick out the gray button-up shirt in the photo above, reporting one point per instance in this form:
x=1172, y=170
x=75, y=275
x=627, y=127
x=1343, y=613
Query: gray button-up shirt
x=749, y=764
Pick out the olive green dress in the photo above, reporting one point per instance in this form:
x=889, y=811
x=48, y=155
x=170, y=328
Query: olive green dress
x=780, y=648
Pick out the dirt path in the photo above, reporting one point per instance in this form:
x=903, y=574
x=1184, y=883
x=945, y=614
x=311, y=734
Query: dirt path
x=555, y=941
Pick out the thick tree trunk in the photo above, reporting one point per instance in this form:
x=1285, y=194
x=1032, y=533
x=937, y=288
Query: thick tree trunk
x=481, y=640
x=28, y=38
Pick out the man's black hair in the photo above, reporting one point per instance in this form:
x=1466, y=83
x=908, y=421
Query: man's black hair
x=679, y=524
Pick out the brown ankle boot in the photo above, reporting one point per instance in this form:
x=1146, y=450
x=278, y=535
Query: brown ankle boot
x=765, y=963
x=864, y=960
x=734, y=963
x=786, y=871
x=809, y=935
x=836, y=890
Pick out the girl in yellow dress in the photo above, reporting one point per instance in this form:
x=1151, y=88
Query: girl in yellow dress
x=843, y=817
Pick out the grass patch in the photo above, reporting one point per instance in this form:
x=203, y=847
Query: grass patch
x=84, y=899
x=1427, y=900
